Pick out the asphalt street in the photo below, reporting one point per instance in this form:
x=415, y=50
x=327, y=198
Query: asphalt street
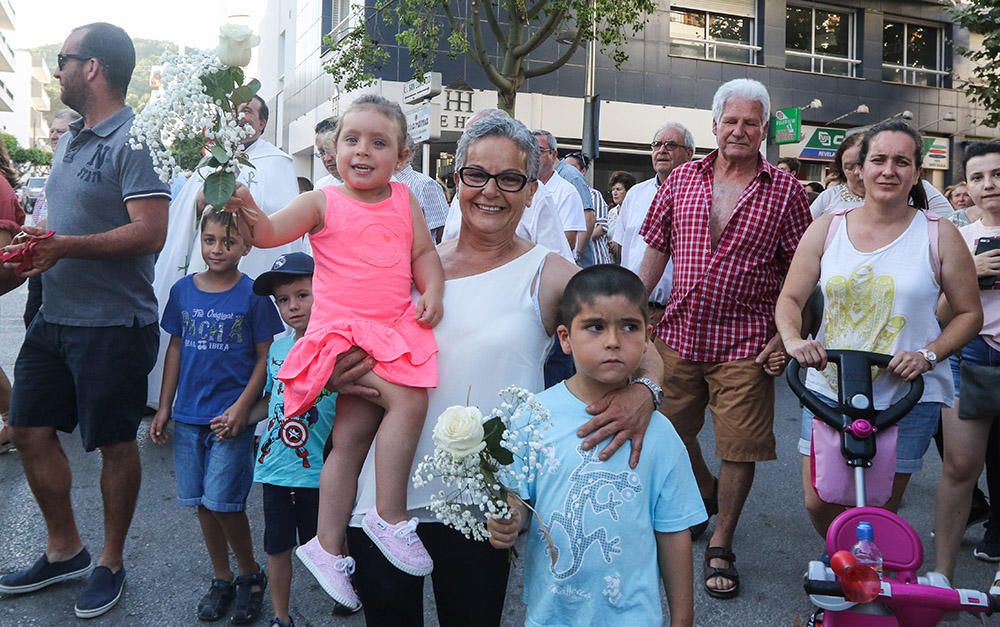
x=168, y=570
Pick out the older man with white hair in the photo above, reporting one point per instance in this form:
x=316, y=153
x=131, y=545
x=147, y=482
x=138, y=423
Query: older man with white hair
x=731, y=223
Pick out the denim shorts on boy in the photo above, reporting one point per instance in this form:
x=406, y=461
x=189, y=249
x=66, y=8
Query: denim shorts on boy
x=916, y=430
x=289, y=517
x=94, y=377
x=955, y=364
x=216, y=474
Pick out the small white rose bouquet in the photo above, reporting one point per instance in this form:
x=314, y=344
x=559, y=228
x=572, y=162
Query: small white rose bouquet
x=479, y=460
x=200, y=99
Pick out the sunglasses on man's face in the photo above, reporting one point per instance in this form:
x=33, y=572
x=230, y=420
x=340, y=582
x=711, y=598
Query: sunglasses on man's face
x=61, y=59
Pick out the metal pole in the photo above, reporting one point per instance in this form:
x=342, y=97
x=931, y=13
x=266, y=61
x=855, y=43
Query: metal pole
x=859, y=486
x=590, y=92
x=425, y=165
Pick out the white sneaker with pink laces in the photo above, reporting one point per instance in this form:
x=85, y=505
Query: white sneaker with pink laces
x=333, y=572
x=399, y=543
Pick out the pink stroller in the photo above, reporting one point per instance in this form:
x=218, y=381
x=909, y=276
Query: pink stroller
x=906, y=599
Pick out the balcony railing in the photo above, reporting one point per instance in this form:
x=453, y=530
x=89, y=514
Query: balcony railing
x=731, y=50
x=913, y=75
x=822, y=63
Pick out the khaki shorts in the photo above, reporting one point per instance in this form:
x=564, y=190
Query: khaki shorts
x=740, y=395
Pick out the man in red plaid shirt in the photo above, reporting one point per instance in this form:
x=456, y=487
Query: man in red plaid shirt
x=731, y=222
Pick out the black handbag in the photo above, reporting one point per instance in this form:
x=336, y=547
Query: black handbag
x=979, y=393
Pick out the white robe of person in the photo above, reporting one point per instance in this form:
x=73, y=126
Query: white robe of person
x=539, y=224
x=273, y=184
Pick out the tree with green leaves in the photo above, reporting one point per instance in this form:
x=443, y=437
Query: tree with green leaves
x=499, y=36
x=983, y=86
x=25, y=158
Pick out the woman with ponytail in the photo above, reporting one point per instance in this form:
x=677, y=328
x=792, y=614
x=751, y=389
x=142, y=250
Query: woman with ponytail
x=882, y=267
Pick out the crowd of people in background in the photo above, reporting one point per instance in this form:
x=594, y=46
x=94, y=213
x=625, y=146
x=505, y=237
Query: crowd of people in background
x=277, y=342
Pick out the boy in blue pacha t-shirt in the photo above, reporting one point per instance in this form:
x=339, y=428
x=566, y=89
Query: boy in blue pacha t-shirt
x=289, y=460
x=215, y=365
x=617, y=531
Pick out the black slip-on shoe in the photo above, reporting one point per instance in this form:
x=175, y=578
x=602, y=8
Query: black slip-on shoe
x=103, y=591
x=44, y=573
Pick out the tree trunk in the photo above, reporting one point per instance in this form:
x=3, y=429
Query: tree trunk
x=505, y=100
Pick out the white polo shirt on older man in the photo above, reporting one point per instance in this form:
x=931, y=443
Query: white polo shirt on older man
x=631, y=215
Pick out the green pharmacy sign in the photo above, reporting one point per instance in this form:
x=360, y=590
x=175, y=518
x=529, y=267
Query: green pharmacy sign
x=786, y=126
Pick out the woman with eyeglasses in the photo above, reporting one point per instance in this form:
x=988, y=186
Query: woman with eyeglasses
x=501, y=294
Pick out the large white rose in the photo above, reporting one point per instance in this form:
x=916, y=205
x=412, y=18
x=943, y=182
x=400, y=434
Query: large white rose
x=235, y=42
x=459, y=431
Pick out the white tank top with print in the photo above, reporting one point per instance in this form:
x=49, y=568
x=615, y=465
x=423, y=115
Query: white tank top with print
x=881, y=301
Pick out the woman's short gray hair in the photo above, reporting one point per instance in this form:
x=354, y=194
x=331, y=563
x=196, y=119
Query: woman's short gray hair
x=741, y=89
x=500, y=126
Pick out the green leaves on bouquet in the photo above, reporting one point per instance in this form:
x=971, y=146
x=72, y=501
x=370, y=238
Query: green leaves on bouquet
x=219, y=187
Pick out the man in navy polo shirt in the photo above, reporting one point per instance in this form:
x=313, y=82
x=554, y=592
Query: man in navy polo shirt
x=86, y=354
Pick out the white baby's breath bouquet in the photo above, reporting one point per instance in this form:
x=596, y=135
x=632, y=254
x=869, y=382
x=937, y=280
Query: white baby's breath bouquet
x=200, y=99
x=478, y=459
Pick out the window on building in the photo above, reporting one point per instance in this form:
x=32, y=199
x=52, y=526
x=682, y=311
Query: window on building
x=913, y=54
x=336, y=20
x=821, y=39
x=722, y=30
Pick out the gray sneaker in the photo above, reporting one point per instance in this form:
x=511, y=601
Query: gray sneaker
x=44, y=573
x=101, y=594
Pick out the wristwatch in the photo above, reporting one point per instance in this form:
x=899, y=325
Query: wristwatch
x=654, y=389
x=930, y=356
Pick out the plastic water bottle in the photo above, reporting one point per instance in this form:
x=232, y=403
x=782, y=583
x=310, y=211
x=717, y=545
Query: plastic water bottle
x=866, y=551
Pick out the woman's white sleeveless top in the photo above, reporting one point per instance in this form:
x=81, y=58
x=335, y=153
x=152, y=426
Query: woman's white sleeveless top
x=882, y=301
x=491, y=337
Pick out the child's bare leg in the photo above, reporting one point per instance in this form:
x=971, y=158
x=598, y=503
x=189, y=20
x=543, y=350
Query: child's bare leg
x=353, y=433
x=396, y=444
x=279, y=570
x=236, y=528
x=215, y=542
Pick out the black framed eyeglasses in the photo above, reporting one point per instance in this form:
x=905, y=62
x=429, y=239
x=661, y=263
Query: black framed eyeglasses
x=506, y=181
x=671, y=146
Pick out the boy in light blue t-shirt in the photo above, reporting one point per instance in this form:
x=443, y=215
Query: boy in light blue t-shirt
x=617, y=531
x=289, y=459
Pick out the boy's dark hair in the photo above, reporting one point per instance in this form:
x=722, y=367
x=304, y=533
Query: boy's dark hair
x=978, y=149
x=601, y=280
x=112, y=46
x=794, y=165
x=218, y=217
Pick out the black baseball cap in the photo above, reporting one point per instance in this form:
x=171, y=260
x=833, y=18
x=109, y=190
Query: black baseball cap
x=289, y=264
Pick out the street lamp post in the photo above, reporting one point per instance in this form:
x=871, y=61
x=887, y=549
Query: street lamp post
x=589, y=144
x=591, y=103
x=861, y=108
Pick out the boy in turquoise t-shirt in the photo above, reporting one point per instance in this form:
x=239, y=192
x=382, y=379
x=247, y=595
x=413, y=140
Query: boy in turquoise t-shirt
x=289, y=459
x=617, y=531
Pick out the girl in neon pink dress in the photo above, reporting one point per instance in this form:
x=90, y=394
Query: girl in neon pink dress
x=371, y=246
